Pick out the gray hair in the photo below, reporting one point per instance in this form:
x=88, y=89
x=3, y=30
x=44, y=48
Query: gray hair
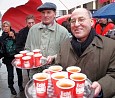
x=30, y=17
x=6, y=22
x=90, y=14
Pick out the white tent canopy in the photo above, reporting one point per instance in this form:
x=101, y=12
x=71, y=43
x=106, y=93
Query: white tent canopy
x=61, y=4
x=67, y=4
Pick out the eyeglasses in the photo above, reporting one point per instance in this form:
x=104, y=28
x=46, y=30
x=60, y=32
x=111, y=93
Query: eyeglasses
x=79, y=20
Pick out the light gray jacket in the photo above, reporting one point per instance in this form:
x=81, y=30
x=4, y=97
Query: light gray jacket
x=47, y=39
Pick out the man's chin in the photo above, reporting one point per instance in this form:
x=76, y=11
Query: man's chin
x=46, y=23
x=77, y=36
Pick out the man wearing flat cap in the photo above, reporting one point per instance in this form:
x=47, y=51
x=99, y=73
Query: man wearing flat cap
x=47, y=6
x=46, y=35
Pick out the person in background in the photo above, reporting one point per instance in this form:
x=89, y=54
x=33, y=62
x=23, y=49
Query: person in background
x=103, y=26
x=23, y=33
x=93, y=53
x=66, y=24
x=113, y=20
x=46, y=35
x=8, y=37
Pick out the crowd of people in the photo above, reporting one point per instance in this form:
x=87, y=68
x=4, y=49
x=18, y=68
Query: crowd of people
x=88, y=47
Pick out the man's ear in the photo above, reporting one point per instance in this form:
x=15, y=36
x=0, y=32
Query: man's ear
x=92, y=22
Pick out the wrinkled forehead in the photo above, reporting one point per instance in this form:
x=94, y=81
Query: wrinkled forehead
x=80, y=13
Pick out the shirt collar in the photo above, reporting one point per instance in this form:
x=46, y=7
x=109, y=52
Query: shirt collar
x=51, y=26
x=97, y=41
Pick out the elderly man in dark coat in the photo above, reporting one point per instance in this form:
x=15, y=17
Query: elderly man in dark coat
x=93, y=53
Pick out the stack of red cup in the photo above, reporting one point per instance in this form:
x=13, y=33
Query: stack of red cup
x=18, y=58
x=28, y=60
x=68, y=84
x=41, y=84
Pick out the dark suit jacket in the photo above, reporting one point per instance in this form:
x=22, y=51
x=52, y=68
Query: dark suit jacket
x=21, y=39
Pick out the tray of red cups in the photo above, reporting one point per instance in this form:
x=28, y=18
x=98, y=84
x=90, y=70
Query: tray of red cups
x=29, y=60
x=59, y=84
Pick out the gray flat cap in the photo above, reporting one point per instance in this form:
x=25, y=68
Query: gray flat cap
x=47, y=6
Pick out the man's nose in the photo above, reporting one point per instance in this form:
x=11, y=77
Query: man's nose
x=77, y=23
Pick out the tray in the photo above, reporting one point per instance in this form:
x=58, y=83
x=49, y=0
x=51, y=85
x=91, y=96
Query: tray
x=43, y=61
x=31, y=93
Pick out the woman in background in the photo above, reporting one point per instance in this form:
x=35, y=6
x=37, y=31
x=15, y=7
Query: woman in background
x=8, y=40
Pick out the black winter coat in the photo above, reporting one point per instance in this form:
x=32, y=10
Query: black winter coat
x=21, y=39
x=6, y=58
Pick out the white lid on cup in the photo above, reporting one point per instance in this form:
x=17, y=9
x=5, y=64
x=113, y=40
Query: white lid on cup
x=29, y=53
x=26, y=58
x=18, y=55
x=24, y=51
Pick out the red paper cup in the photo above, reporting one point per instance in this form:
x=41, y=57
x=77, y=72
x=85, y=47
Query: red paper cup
x=36, y=51
x=18, y=58
x=55, y=68
x=66, y=87
x=73, y=69
x=24, y=52
x=41, y=84
x=31, y=54
x=37, y=58
x=58, y=76
x=79, y=79
x=26, y=62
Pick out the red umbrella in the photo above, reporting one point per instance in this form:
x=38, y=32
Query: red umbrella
x=63, y=18
x=17, y=15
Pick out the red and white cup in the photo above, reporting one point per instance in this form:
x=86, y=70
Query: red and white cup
x=65, y=87
x=79, y=79
x=23, y=52
x=72, y=69
x=55, y=68
x=31, y=54
x=18, y=59
x=36, y=51
x=26, y=62
x=37, y=58
x=56, y=77
x=41, y=84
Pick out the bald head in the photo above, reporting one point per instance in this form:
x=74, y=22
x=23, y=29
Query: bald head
x=81, y=22
x=82, y=10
